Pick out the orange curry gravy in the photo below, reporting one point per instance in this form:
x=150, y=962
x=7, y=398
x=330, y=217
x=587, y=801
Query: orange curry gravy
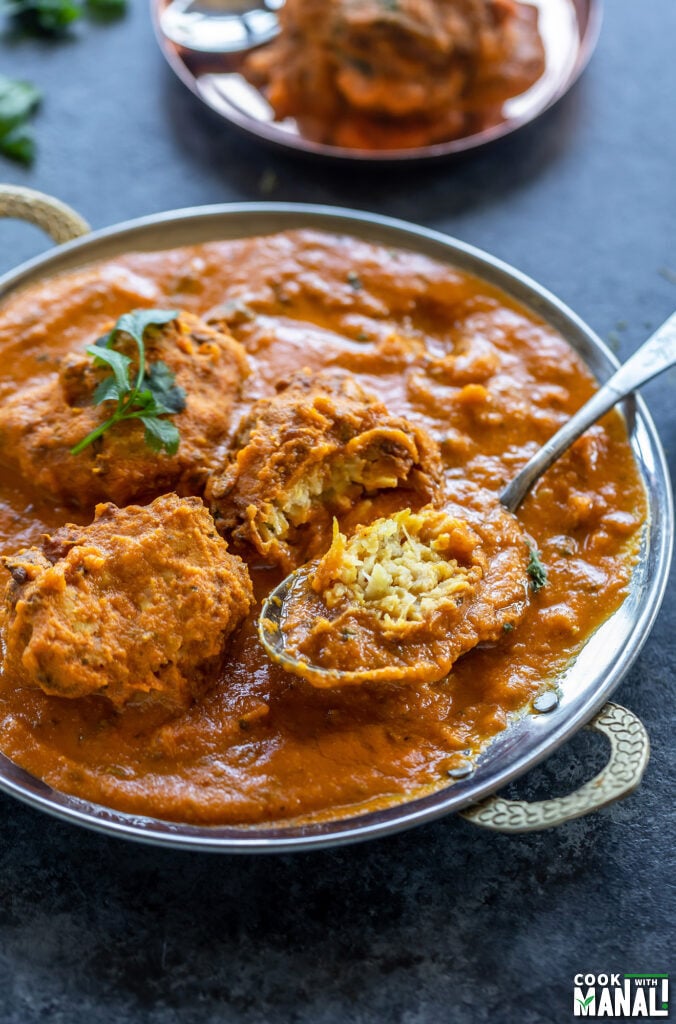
x=488, y=379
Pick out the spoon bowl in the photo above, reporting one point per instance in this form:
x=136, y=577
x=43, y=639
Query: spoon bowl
x=271, y=633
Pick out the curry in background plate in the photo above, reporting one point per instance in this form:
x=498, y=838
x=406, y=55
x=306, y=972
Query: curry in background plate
x=415, y=383
x=394, y=74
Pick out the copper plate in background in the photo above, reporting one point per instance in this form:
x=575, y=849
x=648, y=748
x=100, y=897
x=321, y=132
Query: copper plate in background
x=569, y=29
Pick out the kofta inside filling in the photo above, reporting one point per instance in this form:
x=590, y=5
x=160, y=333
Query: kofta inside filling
x=405, y=597
x=315, y=450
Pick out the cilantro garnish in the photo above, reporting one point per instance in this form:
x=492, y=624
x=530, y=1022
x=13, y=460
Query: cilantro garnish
x=153, y=393
x=536, y=570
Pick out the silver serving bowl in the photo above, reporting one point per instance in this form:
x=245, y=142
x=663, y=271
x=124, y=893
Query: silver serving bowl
x=584, y=687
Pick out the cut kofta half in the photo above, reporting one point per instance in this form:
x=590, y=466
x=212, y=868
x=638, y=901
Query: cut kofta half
x=311, y=452
x=137, y=607
x=405, y=596
x=42, y=422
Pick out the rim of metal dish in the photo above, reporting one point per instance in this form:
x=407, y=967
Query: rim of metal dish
x=271, y=134
x=528, y=740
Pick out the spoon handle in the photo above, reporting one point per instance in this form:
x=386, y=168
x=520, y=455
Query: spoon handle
x=655, y=356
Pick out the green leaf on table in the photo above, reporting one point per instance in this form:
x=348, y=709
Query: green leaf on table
x=106, y=9
x=18, y=144
x=18, y=101
x=43, y=17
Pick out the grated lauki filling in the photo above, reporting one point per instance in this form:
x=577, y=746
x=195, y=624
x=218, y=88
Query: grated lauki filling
x=324, y=484
x=401, y=568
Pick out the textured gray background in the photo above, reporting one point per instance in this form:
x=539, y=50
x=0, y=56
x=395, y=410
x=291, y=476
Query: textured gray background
x=447, y=923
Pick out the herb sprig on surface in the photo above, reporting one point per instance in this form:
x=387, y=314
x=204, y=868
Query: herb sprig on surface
x=18, y=100
x=54, y=17
x=42, y=17
x=149, y=395
x=536, y=570
x=107, y=8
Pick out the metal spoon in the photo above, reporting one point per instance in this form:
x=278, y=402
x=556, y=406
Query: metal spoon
x=220, y=26
x=655, y=356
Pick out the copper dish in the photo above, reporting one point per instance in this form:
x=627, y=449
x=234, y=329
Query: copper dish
x=569, y=28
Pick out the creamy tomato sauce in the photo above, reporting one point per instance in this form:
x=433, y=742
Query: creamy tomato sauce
x=488, y=380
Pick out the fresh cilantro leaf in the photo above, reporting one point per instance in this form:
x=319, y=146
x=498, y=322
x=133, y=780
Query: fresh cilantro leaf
x=536, y=571
x=175, y=400
x=160, y=381
x=18, y=144
x=145, y=402
x=55, y=17
x=160, y=378
x=152, y=395
x=172, y=402
x=118, y=362
x=161, y=434
x=18, y=101
x=106, y=8
x=43, y=17
x=107, y=390
x=138, y=321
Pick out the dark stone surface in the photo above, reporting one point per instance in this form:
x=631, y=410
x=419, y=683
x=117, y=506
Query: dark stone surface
x=446, y=923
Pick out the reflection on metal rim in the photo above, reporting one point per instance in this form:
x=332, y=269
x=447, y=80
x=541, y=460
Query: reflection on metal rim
x=584, y=687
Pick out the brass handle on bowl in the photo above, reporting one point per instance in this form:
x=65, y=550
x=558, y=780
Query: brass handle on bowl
x=629, y=753
x=61, y=222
